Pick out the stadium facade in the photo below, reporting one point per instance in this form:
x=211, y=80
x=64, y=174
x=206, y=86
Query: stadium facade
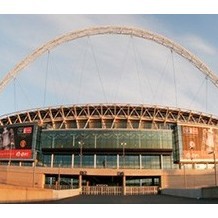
x=119, y=148
x=108, y=145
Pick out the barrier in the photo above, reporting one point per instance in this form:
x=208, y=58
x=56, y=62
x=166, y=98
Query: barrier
x=119, y=190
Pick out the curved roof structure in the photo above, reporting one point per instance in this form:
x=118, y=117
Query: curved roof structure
x=112, y=116
x=121, y=30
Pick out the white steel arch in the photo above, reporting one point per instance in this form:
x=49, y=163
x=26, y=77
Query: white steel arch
x=141, y=33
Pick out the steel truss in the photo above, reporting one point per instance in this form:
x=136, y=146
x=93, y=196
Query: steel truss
x=113, y=116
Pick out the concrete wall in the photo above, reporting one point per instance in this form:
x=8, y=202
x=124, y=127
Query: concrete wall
x=205, y=192
x=59, y=194
x=210, y=192
x=178, y=179
x=13, y=194
x=188, y=193
x=21, y=176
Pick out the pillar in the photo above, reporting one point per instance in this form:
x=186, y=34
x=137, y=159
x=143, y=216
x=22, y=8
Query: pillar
x=94, y=160
x=72, y=161
x=124, y=184
x=52, y=160
x=80, y=181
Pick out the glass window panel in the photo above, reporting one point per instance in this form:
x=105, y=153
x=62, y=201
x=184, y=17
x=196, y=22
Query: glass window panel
x=106, y=161
x=62, y=161
x=167, y=162
x=101, y=161
x=129, y=161
x=88, y=161
x=151, y=161
x=47, y=160
x=107, y=138
x=77, y=161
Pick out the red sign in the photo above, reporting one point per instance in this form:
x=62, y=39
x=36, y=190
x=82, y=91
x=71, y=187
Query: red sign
x=27, y=130
x=16, y=154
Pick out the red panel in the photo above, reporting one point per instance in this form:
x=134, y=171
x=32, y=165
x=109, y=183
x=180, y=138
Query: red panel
x=16, y=154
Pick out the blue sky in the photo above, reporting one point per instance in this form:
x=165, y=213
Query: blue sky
x=131, y=70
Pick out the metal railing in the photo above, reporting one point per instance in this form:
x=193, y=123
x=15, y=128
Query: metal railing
x=142, y=190
x=102, y=190
x=118, y=190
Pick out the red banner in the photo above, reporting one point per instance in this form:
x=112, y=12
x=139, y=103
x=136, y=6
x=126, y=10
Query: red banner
x=16, y=154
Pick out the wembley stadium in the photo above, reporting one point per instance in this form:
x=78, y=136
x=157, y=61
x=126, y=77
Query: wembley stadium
x=109, y=148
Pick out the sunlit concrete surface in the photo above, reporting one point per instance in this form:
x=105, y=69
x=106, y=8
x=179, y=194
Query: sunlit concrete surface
x=142, y=199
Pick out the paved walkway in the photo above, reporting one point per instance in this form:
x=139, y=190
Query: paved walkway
x=142, y=199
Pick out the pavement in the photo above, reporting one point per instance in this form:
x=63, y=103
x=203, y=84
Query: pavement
x=133, y=199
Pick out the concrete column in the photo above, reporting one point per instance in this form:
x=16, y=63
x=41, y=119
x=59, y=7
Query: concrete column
x=140, y=161
x=161, y=161
x=52, y=160
x=94, y=160
x=80, y=181
x=124, y=184
x=118, y=162
x=72, y=161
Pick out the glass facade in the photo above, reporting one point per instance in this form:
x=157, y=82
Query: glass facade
x=62, y=160
x=149, y=181
x=110, y=161
x=129, y=149
x=151, y=162
x=106, y=161
x=156, y=139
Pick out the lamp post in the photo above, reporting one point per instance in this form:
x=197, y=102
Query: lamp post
x=81, y=152
x=191, y=148
x=59, y=175
x=214, y=160
x=123, y=144
x=34, y=167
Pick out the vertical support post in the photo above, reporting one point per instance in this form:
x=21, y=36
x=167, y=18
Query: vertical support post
x=123, y=144
x=94, y=160
x=59, y=176
x=161, y=161
x=118, y=162
x=80, y=181
x=81, y=153
x=140, y=161
x=185, y=180
x=72, y=161
x=124, y=184
x=214, y=158
x=52, y=160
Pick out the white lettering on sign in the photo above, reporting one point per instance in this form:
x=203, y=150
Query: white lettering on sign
x=190, y=130
x=22, y=154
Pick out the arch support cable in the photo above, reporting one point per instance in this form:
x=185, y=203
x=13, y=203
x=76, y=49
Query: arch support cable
x=141, y=33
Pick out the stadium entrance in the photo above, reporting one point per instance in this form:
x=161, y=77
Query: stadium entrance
x=105, y=185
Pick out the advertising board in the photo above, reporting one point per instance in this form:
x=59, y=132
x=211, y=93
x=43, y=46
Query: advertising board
x=16, y=141
x=198, y=142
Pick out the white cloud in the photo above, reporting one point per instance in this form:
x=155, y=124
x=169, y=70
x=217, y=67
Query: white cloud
x=121, y=81
x=199, y=44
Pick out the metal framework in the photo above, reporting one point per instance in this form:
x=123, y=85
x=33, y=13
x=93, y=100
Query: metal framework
x=141, y=33
x=109, y=117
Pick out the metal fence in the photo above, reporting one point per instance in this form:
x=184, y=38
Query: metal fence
x=118, y=190
x=110, y=190
x=102, y=190
x=141, y=190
